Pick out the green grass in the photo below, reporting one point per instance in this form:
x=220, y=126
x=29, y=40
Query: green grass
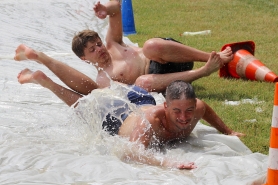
x=229, y=21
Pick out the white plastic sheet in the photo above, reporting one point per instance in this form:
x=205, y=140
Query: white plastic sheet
x=41, y=143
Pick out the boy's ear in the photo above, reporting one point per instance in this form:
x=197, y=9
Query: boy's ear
x=82, y=58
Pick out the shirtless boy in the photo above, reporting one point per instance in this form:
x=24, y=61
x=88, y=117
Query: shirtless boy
x=175, y=119
x=124, y=63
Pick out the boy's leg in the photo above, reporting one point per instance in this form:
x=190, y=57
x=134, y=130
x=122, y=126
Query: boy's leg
x=74, y=79
x=169, y=67
x=38, y=77
x=164, y=51
x=159, y=82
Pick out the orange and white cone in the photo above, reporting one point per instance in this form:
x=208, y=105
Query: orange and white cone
x=245, y=65
x=272, y=172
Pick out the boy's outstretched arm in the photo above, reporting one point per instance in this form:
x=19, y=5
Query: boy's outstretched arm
x=214, y=120
x=115, y=30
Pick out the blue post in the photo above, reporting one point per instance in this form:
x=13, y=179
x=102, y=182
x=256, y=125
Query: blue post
x=127, y=18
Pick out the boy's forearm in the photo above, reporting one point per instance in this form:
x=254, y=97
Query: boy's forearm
x=214, y=120
x=141, y=156
x=113, y=7
x=147, y=157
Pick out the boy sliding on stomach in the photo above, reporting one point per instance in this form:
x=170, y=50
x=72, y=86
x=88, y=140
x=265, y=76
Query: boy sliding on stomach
x=174, y=119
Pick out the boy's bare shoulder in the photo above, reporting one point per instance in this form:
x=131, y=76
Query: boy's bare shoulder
x=102, y=79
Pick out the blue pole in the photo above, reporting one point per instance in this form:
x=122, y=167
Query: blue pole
x=128, y=18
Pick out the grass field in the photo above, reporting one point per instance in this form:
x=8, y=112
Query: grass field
x=229, y=21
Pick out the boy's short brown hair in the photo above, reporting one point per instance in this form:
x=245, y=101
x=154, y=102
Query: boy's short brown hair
x=80, y=40
x=179, y=89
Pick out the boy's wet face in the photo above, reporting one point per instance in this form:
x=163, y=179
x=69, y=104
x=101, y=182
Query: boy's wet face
x=180, y=113
x=96, y=52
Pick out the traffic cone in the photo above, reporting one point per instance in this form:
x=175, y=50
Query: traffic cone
x=127, y=18
x=272, y=172
x=245, y=65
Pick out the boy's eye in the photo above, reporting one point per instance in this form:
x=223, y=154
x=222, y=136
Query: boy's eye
x=176, y=111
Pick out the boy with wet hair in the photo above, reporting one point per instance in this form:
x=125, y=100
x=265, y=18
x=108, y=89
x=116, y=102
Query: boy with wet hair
x=80, y=40
x=179, y=90
x=174, y=119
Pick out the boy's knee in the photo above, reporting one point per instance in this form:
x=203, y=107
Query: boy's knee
x=152, y=48
x=144, y=82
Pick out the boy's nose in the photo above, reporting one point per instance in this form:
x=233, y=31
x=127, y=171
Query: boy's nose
x=182, y=117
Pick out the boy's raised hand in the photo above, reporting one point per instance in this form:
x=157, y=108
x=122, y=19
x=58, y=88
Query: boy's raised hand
x=100, y=10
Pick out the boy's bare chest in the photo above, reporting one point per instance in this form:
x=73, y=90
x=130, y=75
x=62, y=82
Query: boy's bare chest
x=128, y=65
x=165, y=136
